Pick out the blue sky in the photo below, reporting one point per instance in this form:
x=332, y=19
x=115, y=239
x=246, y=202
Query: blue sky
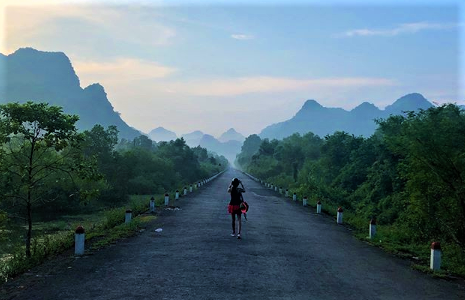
x=201, y=66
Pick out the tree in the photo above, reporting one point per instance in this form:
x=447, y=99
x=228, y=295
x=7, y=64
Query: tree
x=143, y=142
x=39, y=143
x=249, y=148
x=432, y=142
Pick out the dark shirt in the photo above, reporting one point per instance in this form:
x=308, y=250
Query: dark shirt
x=236, y=197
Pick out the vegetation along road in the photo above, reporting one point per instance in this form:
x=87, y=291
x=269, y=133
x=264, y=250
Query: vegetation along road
x=286, y=252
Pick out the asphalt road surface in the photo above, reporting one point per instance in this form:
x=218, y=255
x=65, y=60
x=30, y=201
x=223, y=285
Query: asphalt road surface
x=287, y=252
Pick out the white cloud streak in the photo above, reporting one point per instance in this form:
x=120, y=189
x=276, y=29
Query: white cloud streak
x=242, y=37
x=406, y=28
x=226, y=87
x=120, y=70
x=39, y=25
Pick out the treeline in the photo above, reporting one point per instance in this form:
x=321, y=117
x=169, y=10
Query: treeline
x=409, y=175
x=48, y=168
x=144, y=167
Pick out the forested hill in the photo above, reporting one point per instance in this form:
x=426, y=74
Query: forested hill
x=32, y=75
x=313, y=117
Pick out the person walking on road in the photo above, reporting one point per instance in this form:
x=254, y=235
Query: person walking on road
x=234, y=207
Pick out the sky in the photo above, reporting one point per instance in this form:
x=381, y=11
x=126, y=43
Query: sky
x=210, y=66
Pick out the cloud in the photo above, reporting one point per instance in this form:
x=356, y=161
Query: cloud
x=263, y=84
x=406, y=28
x=242, y=37
x=120, y=70
x=76, y=28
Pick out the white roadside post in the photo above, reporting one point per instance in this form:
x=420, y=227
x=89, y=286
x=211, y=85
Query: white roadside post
x=199, y=184
x=339, y=215
x=435, y=261
x=79, y=240
x=128, y=216
x=287, y=193
x=190, y=188
x=167, y=199
x=294, y=197
x=275, y=188
x=185, y=191
x=176, y=196
x=272, y=186
x=152, y=204
x=280, y=190
x=304, y=202
x=318, y=207
x=372, y=229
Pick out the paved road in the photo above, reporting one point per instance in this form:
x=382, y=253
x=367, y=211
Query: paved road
x=286, y=252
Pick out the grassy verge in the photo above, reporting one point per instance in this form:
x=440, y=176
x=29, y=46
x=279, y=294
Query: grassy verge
x=54, y=237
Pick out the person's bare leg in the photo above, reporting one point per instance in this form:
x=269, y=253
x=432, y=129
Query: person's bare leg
x=240, y=223
x=234, y=223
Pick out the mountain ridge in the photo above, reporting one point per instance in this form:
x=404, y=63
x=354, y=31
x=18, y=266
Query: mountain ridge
x=321, y=120
x=40, y=76
x=231, y=135
x=161, y=134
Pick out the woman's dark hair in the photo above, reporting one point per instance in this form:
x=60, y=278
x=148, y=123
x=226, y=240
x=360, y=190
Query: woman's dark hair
x=235, y=182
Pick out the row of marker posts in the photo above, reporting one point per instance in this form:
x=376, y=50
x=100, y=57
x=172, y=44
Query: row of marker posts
x=80, y=233
x=436, y=252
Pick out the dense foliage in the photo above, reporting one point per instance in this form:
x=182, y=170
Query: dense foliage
x=409, y=175
x=48, y=168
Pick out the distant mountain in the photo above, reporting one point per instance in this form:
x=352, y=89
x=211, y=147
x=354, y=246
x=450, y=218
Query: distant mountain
x=228, y=149
x=231, y=135
x=193, y=139
x=32, y=75
x=161, y=134
x=410, y=102
x=313, y=117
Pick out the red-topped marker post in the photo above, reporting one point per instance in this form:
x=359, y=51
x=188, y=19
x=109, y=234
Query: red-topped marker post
x=176, y=195
x=304, y=201
x=339, y=215
x=294, y=197
x=79, y=240
x=167, y=199
x=435, y=261
x=318, y=207
x=128, y=216
x=372, y=228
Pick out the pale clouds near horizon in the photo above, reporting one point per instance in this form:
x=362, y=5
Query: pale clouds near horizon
x=215, y=105
x=406, y=28
x=217, y=71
